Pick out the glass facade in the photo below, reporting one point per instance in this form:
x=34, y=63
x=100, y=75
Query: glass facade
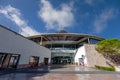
x=65, y=57
x=61, y=46
x=9, y=60
x=93, y=41
x=62, y=58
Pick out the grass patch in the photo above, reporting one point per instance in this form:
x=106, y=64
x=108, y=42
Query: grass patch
x=105, y=68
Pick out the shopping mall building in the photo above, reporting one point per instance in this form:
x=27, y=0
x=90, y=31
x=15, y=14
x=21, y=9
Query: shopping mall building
x=71, y=48
x=17, y=51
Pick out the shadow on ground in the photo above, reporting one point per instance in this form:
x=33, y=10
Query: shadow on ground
x=54, y=69
x=44, y=69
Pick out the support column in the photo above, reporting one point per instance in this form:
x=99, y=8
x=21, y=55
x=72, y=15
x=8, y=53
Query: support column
x=63, y=46
x=88, y=40
x=41, y=41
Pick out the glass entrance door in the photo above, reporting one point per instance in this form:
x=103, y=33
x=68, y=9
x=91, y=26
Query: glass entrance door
x=61, y=60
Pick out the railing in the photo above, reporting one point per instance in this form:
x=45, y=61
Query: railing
x=62, y=48
x=63, y=51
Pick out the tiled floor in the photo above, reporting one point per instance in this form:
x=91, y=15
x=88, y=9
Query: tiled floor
x=61, y=73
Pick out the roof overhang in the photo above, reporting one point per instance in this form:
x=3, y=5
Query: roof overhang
x=62, y=37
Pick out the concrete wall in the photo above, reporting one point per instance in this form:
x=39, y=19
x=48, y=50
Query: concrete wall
x=94, y=58
x=11, y=42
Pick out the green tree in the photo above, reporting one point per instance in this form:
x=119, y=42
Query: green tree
x=110, y=49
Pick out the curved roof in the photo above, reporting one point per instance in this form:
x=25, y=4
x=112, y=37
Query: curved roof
x=62, y=37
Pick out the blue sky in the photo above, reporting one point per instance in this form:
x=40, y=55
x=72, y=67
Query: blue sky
x=33, y=17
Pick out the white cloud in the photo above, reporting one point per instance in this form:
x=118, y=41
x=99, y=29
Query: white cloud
x=56, y=19
x=14, y=15
x=101, y=21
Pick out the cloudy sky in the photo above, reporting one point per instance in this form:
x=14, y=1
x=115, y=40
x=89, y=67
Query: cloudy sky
x=33, y=17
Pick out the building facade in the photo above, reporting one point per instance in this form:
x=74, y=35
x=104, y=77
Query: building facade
x=17, y=51
x=71, y=48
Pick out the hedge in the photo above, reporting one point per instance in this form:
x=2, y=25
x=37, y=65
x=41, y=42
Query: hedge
x=105, y=68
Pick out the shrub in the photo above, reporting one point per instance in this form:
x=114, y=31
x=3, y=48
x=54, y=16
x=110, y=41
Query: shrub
x=105, y=68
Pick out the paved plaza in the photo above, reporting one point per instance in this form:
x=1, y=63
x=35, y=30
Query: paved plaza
x=59, y=72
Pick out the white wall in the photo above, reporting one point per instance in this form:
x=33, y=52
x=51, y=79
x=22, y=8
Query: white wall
x=79, y=53
x=10, y=42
